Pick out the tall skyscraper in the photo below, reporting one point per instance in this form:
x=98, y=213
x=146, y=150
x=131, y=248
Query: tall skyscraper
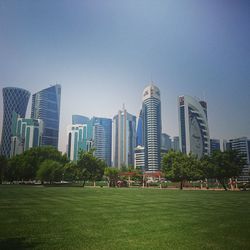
x=151, y=113
x=102, y=138
x=125, y=138
x=26, y=134
x=46, y=106
x=14, y=100
x=193, y=126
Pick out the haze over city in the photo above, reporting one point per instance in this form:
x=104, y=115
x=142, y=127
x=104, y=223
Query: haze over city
x=103, y=54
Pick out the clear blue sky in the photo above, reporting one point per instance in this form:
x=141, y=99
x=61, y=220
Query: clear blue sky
x=104, y=53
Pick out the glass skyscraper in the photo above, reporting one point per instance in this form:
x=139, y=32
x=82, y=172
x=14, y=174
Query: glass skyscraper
x=193, y=126
x=46, y=106
x=14, y=100
x=151, y=113
x=79, y=119
x=102, y=138
x=125, y=138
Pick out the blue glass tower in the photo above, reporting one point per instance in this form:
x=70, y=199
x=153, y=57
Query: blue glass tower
x=14, y=100
x=79, y=119
x=46, y=106
x=102, y=129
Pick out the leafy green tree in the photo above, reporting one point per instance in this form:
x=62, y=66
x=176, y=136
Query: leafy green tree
x=223, y=165
x=3, y=167
x=112, y=174
x=50, y=171
x=70, y=171
x=89, y=167
x=181, y=167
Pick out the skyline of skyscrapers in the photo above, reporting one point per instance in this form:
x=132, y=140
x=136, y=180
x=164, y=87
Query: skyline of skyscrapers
x=46, y=106
x=139, y=144
x=14, y=100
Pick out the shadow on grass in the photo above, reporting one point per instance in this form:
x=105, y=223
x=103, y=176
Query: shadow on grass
x=16, y=243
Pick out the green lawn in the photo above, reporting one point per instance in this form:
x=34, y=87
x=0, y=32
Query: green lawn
x=103, y=218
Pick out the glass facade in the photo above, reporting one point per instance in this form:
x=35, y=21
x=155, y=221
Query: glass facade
x=193, y=123
x=125, y=139
x=46, y=106
x=14, y=100
x=103, y=144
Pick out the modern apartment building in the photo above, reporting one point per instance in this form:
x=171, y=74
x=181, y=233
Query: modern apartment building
x=193, y=126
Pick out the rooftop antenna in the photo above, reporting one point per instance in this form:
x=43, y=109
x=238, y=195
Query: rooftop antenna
x=123, y=106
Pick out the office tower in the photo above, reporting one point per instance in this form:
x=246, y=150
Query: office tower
x=176, y=143
x=26, y=134
x=242, y=146
x=151, y=113
x=139, y=158
x=102, y=138
x=77, y=140
x=214, y=145
x=79, y=119
x=14, y=100
x=46, y=106
x=165, y=142
x=139, y=131
x=125, y=138
x=193, y=126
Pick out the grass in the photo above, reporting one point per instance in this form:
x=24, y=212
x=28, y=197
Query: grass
x=103, y=218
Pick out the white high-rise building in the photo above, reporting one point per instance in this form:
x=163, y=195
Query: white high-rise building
x=77, y=140
x=151, y=113
x=124, y=139
x=193, y=126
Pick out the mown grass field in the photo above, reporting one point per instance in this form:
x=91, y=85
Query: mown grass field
x=103, y=218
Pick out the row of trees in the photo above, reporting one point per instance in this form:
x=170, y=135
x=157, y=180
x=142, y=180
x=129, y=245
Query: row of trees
x=48, y=165
x=219, y=165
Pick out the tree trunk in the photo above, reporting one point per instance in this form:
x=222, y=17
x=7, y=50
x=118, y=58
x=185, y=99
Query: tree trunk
x=181, y=185
x=222, y=182
x=83, y=184
x=94, y=184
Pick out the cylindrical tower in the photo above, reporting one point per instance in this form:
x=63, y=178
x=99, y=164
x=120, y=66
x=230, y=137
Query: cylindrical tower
x=14, y=100
x=151, y=112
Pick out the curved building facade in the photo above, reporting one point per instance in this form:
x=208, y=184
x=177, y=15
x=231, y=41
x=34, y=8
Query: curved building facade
x=46, y=106
x=193, y=126
x=14, y=100
x=151, y=113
